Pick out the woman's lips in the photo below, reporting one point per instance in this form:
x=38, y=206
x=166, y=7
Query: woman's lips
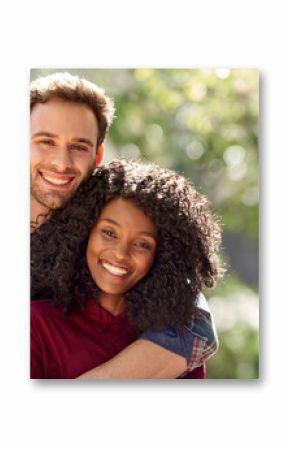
x=114, y=269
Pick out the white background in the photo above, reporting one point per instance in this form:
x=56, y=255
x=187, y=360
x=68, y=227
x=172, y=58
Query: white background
x=226, y=414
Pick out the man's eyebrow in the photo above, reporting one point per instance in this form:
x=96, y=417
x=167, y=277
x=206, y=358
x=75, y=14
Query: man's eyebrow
x=83, y=140
x=75, y=139
x=44, y=133
x=111, y=221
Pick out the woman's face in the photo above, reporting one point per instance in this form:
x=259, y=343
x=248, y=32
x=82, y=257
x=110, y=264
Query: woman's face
x=121, y=247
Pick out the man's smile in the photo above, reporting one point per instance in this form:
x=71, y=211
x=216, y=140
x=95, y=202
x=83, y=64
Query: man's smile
x=56, y=180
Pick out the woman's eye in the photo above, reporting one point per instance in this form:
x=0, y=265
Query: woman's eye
x=144, y=245
x=108, y=233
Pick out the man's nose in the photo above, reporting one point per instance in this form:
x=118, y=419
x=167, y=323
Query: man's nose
x=62, y=158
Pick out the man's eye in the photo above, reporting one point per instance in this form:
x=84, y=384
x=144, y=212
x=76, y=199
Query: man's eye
x=79, y=148
x=109, y=233
x=47, y=142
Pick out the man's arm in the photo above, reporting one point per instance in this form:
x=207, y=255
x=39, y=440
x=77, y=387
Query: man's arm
x=142, y=359
x=165, y=354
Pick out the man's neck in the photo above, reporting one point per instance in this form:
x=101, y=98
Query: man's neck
x=38, y=214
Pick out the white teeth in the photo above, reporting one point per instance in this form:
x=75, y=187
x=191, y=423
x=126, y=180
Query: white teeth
x=59, y=182
x=114, y=270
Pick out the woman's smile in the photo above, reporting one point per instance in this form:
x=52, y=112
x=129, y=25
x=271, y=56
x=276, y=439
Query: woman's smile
x=114, y=270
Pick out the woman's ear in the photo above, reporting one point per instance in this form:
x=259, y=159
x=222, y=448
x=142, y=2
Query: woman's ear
x=100, y=154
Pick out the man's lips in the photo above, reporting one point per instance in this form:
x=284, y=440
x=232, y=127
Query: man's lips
x=57, y=180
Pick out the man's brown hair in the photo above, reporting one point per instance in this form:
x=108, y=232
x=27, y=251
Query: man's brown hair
x=78, y=90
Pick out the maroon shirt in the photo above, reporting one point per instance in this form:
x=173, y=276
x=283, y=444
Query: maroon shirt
x=64, y=347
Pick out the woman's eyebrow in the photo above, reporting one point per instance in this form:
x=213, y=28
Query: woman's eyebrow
x=111, y=221
x=149, y=234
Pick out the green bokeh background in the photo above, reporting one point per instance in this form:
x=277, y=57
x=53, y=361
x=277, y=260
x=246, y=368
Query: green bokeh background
x=204, y=124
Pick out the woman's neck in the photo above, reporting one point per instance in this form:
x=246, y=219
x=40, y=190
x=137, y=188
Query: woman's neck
x=115, y=304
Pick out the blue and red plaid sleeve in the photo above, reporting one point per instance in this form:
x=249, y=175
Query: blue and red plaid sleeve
x=196, y=342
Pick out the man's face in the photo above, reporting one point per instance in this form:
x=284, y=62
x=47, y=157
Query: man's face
x=63, y=151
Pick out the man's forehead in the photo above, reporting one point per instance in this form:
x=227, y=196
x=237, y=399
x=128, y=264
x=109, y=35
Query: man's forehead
x=63, y=107
x=58, y=117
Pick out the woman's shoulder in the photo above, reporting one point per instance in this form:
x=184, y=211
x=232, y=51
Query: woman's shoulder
x=40, y=304
x=42, y=309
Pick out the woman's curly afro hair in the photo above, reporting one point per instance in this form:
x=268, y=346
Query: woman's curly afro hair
x=186, y=259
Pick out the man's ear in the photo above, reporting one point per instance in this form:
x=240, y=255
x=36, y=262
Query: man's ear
x=100, y=155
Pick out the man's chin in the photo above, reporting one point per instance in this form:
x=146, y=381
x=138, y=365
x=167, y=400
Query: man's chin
x=58, y=201
x=53, y=201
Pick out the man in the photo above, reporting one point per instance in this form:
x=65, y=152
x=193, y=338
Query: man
x=69, y=121
x=66, y=138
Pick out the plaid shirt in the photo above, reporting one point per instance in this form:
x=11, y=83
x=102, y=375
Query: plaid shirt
x=196, y=342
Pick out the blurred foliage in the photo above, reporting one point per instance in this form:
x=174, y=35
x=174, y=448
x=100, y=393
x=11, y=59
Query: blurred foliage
x=204, y=124
x=238, y=357
x=236, y=311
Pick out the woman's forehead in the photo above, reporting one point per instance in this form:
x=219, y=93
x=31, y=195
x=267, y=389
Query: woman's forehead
x=127, y=214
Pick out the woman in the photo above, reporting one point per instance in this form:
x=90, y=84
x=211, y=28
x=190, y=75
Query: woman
x=135, y=248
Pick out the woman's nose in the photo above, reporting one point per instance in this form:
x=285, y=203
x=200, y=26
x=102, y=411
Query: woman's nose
x=122, y=251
